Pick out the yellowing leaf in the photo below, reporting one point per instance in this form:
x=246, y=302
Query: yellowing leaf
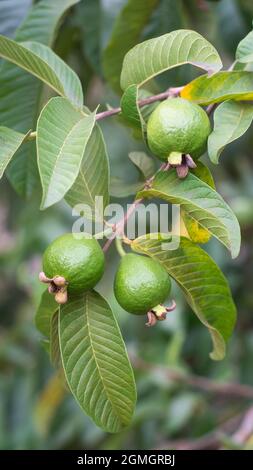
x=220, y=87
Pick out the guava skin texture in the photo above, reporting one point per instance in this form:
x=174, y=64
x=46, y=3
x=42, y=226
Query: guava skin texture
x=79, y=260
x=178, y=125
x=140, y=284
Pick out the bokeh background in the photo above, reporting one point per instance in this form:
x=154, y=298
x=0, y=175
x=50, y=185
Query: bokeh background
x=35, y=410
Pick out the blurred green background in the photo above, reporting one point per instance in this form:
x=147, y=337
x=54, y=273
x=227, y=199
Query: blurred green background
x=35, y=411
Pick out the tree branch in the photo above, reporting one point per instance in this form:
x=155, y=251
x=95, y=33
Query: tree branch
x=173, y=91
x=225, y=389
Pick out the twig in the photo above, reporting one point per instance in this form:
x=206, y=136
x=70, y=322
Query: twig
x=202, y=383
x=173, y=91
x=209, y=441
x=119, y=227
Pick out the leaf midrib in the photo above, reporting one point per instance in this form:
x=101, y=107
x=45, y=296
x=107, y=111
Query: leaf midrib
x=96, y=361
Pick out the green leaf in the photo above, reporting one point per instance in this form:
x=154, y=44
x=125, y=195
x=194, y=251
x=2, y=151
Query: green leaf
x=126, y=33
x=55, y=352
x=244, y=51
x=89, y=16
x=154, y=56
x=220, y=87
x=43, y=63
x=120, y=189
x=45, y=310
x=10, y=142
x=231, y=121
x=130, y=108
x=20, y=105
x=201, y=203
x=203, y=173
x=205, y=287
x=95, y=361
x=143, y=163
x=93, y=178
x=134, y=115
x=146, y=167
x=197, y=233
x=12, y=13
x=62, y=137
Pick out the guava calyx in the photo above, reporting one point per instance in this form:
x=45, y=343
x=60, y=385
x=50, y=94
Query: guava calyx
x=181, y=162
x=159, y=313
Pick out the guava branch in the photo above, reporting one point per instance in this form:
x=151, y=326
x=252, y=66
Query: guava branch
x=173, y=91
x=118, y=228
x=151, y=99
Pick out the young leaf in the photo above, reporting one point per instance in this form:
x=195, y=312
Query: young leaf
x=93, y=178
x=126, y=33
x=203, y=284
x=244, y=51
x=12, y=13
x=44, y=313
x=132, y=114
x=143, y=163
x=197, y=233
x=10, y=142
x=62, y=137
x=95, y=361
x=20, y=105
x=43, y=63
x=231, y=121
x=220, y=87
x=120, y=188
x=130, y=108
x=146, y=167
x=201, y=203
x=152, y=57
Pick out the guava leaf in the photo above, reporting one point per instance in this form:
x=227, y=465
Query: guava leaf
x=146, y=167
x=20, y=105
x=244, y=51
x=47, y=307
x=90, y=17
x=95, y=361
x=220, y=87
x=10, y=142
x=134, y=115
x=203, y=284
x=55, y=352
x=126, y=33
x=231, y=121
x=201, y=203
x=195, y=232
x=130, y=108
x=12, y=13
x=43, y=63
x=93, y=178
x=144, y=163
x=120, y=188
x=154, y=56
x=62, y=137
